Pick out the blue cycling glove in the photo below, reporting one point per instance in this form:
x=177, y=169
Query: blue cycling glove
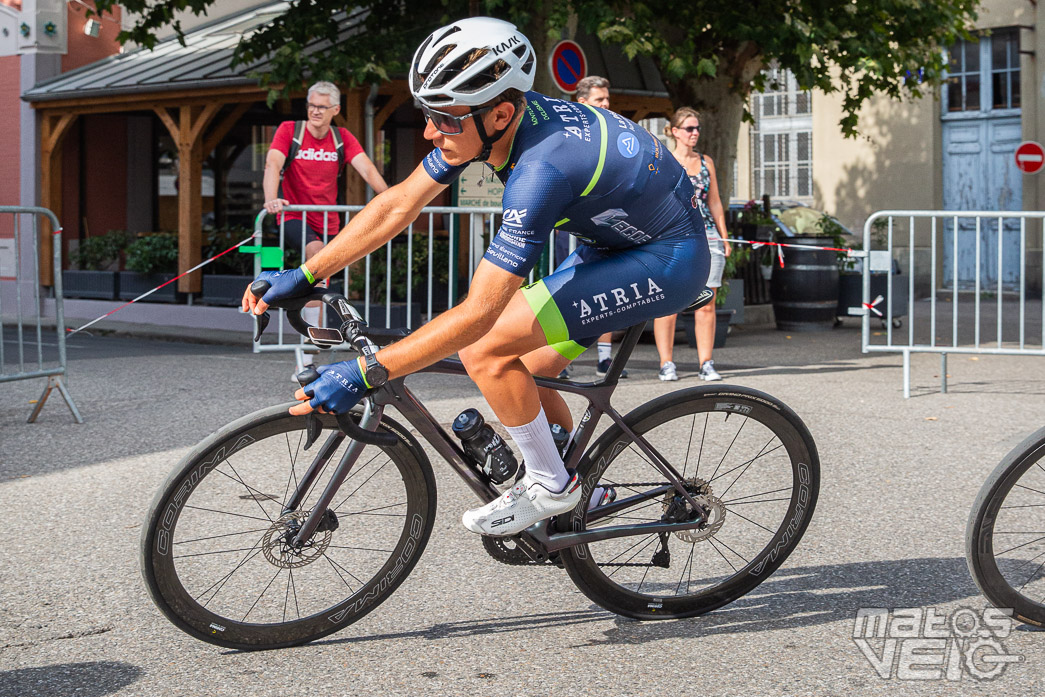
x=339, y=388
x=289, y=283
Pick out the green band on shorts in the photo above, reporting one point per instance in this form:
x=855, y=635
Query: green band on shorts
x=551, y=321
x=546, y=312
x=569, y=349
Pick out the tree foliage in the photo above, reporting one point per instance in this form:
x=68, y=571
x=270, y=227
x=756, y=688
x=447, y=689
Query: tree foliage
x=710, y=54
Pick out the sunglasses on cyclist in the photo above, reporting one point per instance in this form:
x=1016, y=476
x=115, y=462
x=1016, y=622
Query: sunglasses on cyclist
x=690, y=129
x=448, y=124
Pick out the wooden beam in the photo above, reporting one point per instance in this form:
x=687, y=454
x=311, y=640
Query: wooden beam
x=190, y=203
x=169, y=122
x=355, y=122
x=53, y=130
x=147, y=101
x=221, y=130
x=397, y=100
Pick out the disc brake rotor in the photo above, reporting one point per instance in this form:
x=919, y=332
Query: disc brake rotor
x=277, y=548
x=712, y=505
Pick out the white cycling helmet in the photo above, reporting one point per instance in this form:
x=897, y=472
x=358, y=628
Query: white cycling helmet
x=438, y=77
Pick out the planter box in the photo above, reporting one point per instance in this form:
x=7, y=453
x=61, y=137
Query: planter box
x=734, y=300
x=96, y=285
x=723, y=318
x=133, y=284
x=851, y=293
x=224, y=289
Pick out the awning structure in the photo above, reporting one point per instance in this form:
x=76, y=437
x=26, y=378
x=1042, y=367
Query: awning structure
x=199, y=97
x=187, y=86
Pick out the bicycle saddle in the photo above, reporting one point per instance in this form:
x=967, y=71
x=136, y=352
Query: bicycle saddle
x=703, y=298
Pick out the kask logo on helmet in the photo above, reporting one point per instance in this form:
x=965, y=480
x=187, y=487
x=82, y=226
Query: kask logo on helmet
x=505, y=45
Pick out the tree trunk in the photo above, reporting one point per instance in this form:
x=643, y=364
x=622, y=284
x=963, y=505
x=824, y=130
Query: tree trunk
x=721, y=112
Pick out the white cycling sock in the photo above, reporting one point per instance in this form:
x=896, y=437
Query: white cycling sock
x=605, y=350
x=543, y=463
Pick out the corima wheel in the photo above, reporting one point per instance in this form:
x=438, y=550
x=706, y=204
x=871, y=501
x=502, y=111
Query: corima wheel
x=218, y=552
x=746, y=459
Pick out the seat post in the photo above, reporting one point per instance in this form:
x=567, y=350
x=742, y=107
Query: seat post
x=627, y=345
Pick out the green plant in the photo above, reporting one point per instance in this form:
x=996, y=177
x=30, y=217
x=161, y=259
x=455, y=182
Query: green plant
x=737, y=259
x=400, y=280
x=97, y=253
x=217, y=240
x=753, y=213
x=153, y=254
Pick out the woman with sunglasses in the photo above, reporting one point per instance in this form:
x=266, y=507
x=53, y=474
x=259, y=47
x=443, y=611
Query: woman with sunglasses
x=684, y=128
x=568, y=166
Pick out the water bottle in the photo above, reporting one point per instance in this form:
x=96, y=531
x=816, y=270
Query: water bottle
x=561, y=437
x=484, y=447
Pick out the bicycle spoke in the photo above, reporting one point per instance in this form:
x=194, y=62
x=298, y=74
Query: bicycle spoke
x=220, y=583
x=738, y=515
x=260, y=595
x=714, y=547
x=254, y=492
x=365, y=481
x=214, y=537
x=205, y=554
x=726, y=454
x=370, y=511
x=687, y=565
x=292, y=477
x=234, y=515
x=1037, y=539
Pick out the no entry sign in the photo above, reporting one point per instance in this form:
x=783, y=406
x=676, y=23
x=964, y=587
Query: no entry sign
x=1030, y=157
x=568, y=65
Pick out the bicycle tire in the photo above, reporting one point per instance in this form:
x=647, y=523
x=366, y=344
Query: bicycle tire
x=777, y=441
x=999, y=507
x=204, y=588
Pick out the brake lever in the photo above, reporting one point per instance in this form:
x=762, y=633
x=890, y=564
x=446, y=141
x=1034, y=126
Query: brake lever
x=344, y=420
x=312, y=425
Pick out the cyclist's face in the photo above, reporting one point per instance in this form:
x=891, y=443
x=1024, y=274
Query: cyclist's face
x=465, y=146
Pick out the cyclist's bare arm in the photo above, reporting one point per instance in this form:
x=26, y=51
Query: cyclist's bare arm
x=381, y=220
x=460, y=326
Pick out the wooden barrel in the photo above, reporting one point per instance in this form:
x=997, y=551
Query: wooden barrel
x=805, y=289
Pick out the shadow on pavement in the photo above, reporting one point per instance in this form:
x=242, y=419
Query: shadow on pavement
x=791, y=598
x=93, y=679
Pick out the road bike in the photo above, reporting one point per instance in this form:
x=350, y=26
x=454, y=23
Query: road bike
x=277, y=530
x=1005, y=538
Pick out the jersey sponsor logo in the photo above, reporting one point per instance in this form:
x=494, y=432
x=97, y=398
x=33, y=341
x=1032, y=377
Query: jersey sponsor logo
x=512, y=240
x=628, y=145
x=315, y=155
x=513, y=217
x=614, y=218
x=618, y=299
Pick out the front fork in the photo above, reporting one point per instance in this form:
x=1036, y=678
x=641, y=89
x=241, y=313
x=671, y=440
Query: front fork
x=369, y=421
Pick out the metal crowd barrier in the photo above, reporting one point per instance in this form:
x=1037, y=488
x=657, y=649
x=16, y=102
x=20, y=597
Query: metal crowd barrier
x=464, y=227
x=21, y=312
x=979, y=276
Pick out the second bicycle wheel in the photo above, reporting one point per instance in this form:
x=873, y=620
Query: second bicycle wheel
x=217, y=555
x=745, y=457
x=1005, y=536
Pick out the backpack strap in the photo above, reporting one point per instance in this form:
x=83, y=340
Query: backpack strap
x=295, y=145
x=339, y=145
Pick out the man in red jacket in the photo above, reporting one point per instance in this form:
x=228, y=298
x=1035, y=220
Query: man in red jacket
x=311, y=178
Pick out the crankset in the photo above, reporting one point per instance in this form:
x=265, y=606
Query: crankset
x=507, y=551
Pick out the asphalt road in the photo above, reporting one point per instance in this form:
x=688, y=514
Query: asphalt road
x=898, y=478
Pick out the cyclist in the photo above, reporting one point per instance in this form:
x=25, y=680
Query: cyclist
x=591, y=172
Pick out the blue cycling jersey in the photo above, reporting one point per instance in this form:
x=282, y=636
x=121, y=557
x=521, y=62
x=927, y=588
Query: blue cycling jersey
x=588, y=171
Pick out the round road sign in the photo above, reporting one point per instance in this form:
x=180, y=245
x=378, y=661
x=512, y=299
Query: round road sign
x=1030, y=157
x=568, y=65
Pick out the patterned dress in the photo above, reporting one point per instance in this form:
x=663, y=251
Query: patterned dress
x=701, y=184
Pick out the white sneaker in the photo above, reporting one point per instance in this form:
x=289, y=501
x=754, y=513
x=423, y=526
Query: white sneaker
x=521, y=506
x=667, y=372
x=708, y=372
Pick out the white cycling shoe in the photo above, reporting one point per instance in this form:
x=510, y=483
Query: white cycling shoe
x=521, y=506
